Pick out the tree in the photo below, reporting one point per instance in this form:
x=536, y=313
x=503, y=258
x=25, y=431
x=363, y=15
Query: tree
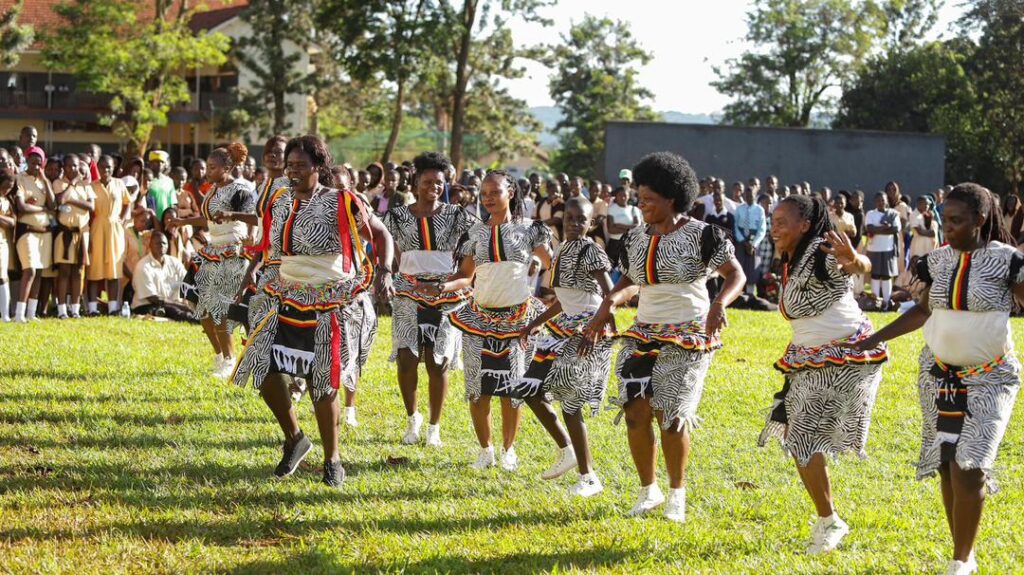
x=14, y=38
x=998, y=71
x=273, y=54
x=594, y=82
x=801, y=50
x=136, y=52
x=908, y=21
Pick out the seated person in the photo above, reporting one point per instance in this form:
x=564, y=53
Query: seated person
x=156, y=281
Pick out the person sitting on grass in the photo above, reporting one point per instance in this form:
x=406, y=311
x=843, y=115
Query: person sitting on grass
x=156, y=281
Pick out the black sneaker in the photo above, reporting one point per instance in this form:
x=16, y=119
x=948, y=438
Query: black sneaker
x=294, y=452
x=334, y=474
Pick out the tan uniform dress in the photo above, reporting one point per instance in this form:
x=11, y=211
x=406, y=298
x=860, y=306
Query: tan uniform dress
x=6, y=209
x=71, y=246
x=106, y=245
x=35, y=248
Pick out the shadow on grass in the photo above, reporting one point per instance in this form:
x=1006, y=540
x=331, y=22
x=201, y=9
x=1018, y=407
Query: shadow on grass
x=134, y=376
x=314, y=561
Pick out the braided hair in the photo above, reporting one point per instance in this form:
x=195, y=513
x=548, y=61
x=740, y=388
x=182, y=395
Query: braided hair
x=983, y=202
x=318, y=154
x=814, y=210
x=516, y=205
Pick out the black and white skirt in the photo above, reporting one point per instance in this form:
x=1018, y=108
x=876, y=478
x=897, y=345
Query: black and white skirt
x=494, y=362
x=419, y=321
x=212, y=280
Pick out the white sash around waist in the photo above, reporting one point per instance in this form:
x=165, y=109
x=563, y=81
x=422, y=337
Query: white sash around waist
x=672, y=303
x=840, y=321
x=315, y=270
x=968, y=338
x=501, y=284
x=577, y=301
x=227, y=233
x=426, y=262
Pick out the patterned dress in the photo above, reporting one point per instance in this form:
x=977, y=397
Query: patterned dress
x=666, y=353
x=217, y=269
x=557, y=370
x=501, y=306
x=427, y=247
x=829, y=391
x=969, y=374
x=255, y=293
x=300, y=327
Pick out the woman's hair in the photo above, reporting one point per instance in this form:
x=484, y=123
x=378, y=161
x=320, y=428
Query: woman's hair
x=275, y=140
x=670, y=176
x=234, y=154
x=983, y=202
x=813, y=209
x=318, y=154
x=430, y=161
x=516, y=205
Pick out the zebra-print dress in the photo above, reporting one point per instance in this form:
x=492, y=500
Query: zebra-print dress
x=666, y=361
x=829, y=390
x=493, y=360
x=216, y=270
x=967, y=401
x=557, y=371
x=418, y=320
x=255, y=294
x=300, y=328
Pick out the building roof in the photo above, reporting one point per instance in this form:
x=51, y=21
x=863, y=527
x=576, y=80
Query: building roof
x=42, y=17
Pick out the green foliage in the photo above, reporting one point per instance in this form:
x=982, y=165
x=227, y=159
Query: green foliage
x=801, y=50
x=14, y=38
x=120, y=454
x=138, y=62
x=594, y=81
x=908, y=21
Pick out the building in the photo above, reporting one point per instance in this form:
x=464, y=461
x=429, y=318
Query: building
x=67, y=117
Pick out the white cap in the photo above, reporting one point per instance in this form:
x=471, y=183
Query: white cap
x=130, y=181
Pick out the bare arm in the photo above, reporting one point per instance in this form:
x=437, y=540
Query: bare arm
x=735, y=279
x=910, y=321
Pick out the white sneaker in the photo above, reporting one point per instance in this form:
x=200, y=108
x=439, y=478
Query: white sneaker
x=412, y=429
x=434, y=435
x=963, y=567
x=649, y=498
x=227, y=367
x=350, y=417
x=588, y=485
x=826, y=534
x=565, y=462
x=675, y=507
x=218, y=365
x=484, y=459
x=509, y=459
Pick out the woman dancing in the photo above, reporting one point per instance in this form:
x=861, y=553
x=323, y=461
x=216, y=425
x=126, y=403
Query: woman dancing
x=300, y=330
x=579, y=278
x=825, y=405
x=969, y=374
x=666, y=354
x=496, y=259
x=427, y=233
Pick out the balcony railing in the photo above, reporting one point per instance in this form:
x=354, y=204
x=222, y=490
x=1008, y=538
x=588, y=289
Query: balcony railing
x=81, y=101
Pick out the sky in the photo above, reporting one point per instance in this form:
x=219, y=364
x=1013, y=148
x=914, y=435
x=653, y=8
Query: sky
x=686, y=37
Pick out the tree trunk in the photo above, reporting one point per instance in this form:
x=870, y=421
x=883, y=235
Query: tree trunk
x=280, y=110
x=396, y=122
x=462, y=81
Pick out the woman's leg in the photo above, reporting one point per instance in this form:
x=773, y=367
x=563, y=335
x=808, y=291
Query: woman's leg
x=817, y=484
x=947, y=495
x=641, y=438
x=63, y=284
x=407, y=379
x=210, y=329
x=510, y=420
x=75, y=277
x=549, y=420
x=350, y=396
x=676, y=445
x=114, y=294
x=480, y=413
x=28, y=280
x=437, y=376
x=328, y=414
x=968, y=502
x=580, y=444
x=276, y=394
x=224, y=339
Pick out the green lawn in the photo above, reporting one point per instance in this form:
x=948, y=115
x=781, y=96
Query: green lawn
x=118, y=454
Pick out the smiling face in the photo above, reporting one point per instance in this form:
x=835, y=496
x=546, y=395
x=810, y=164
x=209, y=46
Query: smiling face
x=105, y=166
x=788, y=227
x=961, y=225
x=881, y=203
x=300, y=171
x=273, y=157
x=71, y=167
x=429, y=186
x=656, y=208
x=495, y=195
x=216, y=170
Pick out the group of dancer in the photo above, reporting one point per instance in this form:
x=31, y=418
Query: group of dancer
x=458, y=285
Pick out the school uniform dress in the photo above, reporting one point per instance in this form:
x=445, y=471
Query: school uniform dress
x=883, y=248
x=300, y=328
x=501, y=305
x=106, y=231
x=829, y=391
x=35, y=248
x=666, y=353
x=216, y=271
x=427, y=247
x=557, y=371
x=6, y=209
x=71, y=246
x=969, y=373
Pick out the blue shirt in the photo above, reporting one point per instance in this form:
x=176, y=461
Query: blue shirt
x=750, y=224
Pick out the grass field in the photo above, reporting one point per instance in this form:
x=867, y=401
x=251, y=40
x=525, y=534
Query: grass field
x=118, y=454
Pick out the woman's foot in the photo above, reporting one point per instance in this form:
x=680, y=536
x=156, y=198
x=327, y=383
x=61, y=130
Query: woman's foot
x=334, y=474
x=350, y=417
x=649, y=498
x=434, y=435
x=826, y=534
x=587, y=486
x=227, y=367
x=412, y=429
x=294, y=451
x=509, y=459
x=484, y=458
x=565, y=462
x=675, y=507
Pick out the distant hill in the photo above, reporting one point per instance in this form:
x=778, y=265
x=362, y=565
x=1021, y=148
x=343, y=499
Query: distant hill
x=549, y=116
